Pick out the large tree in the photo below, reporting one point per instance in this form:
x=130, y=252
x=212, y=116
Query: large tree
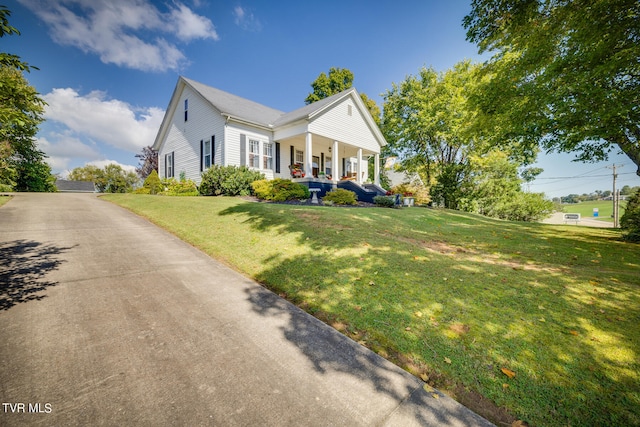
x=110, y=179
x=22, y=165
x=336, y=81
x=564, y=73
x=427, y=123
x=148, y=162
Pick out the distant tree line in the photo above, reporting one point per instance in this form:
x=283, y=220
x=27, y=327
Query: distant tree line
x=596, y=195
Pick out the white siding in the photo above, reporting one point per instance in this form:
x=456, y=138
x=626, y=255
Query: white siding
x=352, y=129
x=183, y=138
x=232, y=154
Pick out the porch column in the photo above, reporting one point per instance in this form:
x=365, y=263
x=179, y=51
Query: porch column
x=308, y=163
x=335, y=163
x=376, y=169
x=360, y=170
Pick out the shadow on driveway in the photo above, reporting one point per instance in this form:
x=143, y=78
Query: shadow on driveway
x=24, y=265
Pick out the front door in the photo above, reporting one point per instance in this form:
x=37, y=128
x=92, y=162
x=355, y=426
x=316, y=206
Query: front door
x=316, y=164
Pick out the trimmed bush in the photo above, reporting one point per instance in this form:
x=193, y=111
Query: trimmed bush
x=228, y=181
x=172, y=187
x=279, y=190
x=630, y=221
x=340, y=196
x=152, y=183
x=385, y=201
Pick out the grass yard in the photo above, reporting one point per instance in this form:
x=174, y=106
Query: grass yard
x=4, y=199
x=605, y=209
x=540, y=319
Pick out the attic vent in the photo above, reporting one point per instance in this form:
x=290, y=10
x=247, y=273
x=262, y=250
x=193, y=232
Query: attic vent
x=349, y=109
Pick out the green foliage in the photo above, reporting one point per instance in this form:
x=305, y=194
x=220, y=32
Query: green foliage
x=279, y=190
x=564, y=74
x=182, y=187
x=340, y=196
x=630, y=221
x=419, y=192
x=34, y=175
x=111, y=179
x=228, y=181
x=152, y=183
x=385, y=201
x=338, y=80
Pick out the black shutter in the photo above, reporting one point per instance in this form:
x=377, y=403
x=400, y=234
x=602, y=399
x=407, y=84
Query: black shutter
x=165, y=165
x=344, y=167
x=243, y=150
x=213, y=150
x=321, y=165
x=201, y=155
x=173, y=164
x=291, y=158
x=277, y=157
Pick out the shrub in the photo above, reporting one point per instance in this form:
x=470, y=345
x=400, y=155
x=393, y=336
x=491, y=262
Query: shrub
x=152, y=184
x=340, y=196
x=186, y=187
x=385, y=201
x=141, y=190
x=228, y=181
x=279, y=190
x=418, y=192
x=630, y=221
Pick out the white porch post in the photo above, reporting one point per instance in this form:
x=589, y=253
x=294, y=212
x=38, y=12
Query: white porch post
x=359, y=177
x=308, y=164
x=335, y=163
x=376, y=169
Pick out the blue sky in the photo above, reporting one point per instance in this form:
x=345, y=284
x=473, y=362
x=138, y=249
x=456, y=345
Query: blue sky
x=108, y=67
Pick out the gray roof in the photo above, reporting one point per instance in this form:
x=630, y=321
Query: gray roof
x=75, y=186
x=235, y=106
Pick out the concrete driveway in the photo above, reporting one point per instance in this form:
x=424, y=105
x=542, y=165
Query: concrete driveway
x=105, y=319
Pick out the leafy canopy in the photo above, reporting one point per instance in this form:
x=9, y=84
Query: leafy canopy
x=564, y=73
x=22, y=165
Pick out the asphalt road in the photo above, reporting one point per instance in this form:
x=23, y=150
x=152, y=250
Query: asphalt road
x=106, y=319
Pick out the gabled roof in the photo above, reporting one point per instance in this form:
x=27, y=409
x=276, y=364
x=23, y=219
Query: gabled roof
x=235, y=106
x=311, y=109
x=244, y=110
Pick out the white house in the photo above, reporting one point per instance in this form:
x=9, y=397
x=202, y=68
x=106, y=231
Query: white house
x=328, y=140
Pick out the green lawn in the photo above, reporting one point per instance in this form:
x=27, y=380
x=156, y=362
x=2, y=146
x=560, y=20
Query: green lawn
x=4, y=199
x=450, y=296
x=605, y=209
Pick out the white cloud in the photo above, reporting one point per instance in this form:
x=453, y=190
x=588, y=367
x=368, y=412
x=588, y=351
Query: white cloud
x=102, y=163
x=245, y=19
x=124, y=32
x=108, y=121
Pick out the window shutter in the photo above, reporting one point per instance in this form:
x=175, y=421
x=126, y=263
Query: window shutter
x=201, y=155
x=165, y=166
x=213, y=150
x=321, y=165
x=277, y=157
x=173, y=164
x=344, y=167
x=243, y=150
x=292, y=158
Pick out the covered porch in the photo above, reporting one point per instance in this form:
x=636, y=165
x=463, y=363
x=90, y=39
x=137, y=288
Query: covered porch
x=313, y=156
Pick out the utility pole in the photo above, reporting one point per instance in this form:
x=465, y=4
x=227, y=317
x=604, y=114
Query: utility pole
x=615, y=197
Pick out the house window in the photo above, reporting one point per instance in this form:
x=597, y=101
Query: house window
x=299, y=157
x=206, y=154
x=186, y=109
x=268, y=156
x=254, y=153
x=168, y=165
x=327, y=165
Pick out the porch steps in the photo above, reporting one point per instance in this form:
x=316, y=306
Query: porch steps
x=365, y=192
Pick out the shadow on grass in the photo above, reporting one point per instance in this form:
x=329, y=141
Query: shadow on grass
x=556, y=307
x=24, y=265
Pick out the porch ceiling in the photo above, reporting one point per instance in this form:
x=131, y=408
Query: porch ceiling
x=324, y=144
